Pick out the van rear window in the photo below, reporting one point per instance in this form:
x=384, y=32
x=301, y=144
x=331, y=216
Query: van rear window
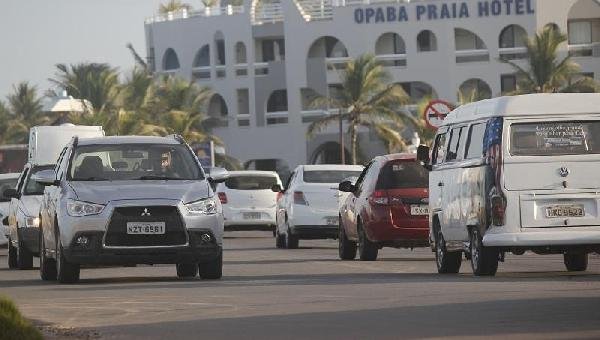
x=250, y=182
x=555, y=138
x=403, y=175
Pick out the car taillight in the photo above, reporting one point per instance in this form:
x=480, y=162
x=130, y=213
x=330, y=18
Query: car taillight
x=380, y=197
x=299, y=198
x=222, y=197
x=498, y=210
x=279, y=196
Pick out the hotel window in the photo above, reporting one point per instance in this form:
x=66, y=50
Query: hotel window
x=426, y=41
x=278, y=101
x=508, y=83
x=580, y=32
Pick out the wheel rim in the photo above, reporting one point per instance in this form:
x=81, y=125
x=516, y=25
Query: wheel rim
x=439, y=251
x=475, y=250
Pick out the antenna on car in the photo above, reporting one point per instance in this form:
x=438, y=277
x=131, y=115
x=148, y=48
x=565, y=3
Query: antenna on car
x=75, y=140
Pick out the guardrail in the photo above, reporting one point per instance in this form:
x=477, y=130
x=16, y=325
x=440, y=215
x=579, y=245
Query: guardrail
x=267, y=14
x=393, y=60
x=585, y=50
x=206, y=12
x=512, y=53
x=467, y=56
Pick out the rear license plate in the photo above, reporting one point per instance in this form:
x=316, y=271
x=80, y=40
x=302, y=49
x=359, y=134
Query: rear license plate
x=145, y=228
x=419, y=210
x=557, y=211
x=332, y=220
x=252, y=216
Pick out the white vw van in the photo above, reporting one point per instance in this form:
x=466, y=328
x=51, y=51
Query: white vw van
x=513, y=174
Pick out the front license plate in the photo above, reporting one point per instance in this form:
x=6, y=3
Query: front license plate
x=332, y=220
x=252, y=216
x=419, y=210
x=145, y=228
x=558, y=211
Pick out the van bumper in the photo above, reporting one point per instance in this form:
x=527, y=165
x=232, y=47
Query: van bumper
x=575, y=236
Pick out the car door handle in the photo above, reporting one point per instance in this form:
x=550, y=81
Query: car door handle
x=440, y=184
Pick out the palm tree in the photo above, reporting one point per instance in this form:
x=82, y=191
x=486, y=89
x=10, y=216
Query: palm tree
x=209, y=3
x=96, y=82
x=545, y=72
x=173, y=6
x=366, y=99
x=24, y=111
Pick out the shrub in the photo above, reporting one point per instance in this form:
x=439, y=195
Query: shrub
x=13, y=325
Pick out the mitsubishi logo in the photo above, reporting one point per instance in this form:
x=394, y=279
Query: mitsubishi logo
x=564, y=171
x=146, y=212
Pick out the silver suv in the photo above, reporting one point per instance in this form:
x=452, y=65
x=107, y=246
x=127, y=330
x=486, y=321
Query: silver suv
x=125, y=201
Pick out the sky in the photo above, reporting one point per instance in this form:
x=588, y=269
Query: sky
x=37, y=34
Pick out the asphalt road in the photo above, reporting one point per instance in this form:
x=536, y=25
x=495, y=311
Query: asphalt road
x=309, y=293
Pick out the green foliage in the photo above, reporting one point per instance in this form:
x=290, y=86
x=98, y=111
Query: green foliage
x=23, y=110
x=13, y=325
x=545, y=72
x=366, y=99
x=173, y=6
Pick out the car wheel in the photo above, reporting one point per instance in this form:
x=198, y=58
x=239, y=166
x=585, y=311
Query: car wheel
x=576, y=262
x=279, y=240
x=212, y=270
x=187, y=270
x=24, y=257
x=367, y=250
x=291, y=241
x=447, y=262
x=346, y=248
x=12, y=255
x=47, y=265
x=66, y=272
x=484, y=260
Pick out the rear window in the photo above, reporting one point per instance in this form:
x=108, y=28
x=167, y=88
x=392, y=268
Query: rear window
x=328, y=176
x=555, y=138
x=403, y=175
x=250, y=182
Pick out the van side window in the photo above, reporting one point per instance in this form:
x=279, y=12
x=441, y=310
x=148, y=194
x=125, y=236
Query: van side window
x=453, y=145
x=475, y=142
x=439, y=153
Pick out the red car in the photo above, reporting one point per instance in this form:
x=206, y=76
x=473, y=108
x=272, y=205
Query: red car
x=387, y=207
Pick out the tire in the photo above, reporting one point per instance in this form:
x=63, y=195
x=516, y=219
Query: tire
x=24, y=257
x=47, y=266
x=367, y=250
x=279, y=240
x=484, y=260
x=187, y=270
x=66, y=272
x=12, y=256
x=291, y=241
x=212, y=270
x=346, y=248
x=447, y=262
x=576, y=262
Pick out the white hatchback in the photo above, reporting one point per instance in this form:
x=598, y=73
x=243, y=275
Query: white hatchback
x=309, y=206
x=248, y=199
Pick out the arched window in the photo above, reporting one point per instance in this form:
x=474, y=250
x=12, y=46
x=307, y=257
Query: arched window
x=219, y=48
x=512, y=36
x=202, y=58
x=327, y=47
x=329, y=153
x=278, y=101
x=426, y=41
x=418, y=90
x=391, y=49
x=469, y=47
x=217, y=106
x=240, y=53
x=170, y=60
x=474, y=89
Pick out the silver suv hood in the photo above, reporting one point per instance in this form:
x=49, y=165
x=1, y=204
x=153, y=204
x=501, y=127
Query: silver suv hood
x=104, y=192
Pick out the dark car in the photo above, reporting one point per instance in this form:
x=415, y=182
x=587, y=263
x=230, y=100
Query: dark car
x=387, y=207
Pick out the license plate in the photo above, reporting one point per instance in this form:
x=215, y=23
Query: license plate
x=252, y=216
x=558, y=211
x=145, y=228
x=419, y=210
x=332, y=220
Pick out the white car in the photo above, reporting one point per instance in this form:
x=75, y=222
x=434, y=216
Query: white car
x=7, y=181
x=308, y=208
x=248, y=199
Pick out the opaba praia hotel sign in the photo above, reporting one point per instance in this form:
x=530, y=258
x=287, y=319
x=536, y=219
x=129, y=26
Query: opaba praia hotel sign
x=443, y=11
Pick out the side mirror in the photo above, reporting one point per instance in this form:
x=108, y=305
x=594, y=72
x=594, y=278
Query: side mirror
x=346, y=186
x=276, y=188
x=10, y=193
x=46, y=178
x=5, y=221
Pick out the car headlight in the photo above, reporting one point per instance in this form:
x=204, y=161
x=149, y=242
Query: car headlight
x=206, y=206
x=79, y=209
x=32, y=222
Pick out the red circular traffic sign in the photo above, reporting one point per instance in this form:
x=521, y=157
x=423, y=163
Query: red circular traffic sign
x=435, y=113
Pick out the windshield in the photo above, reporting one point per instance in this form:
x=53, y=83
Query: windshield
x=7, y=184
x=250, y=182
x=328, y=176
x=133, y=162
x=32, y=187
x=555, y=138
x=403, y=175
